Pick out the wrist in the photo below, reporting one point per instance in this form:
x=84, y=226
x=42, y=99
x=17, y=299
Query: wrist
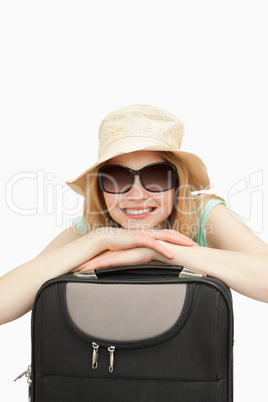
x=99, y=239
x=105, y=238
x=160, y=257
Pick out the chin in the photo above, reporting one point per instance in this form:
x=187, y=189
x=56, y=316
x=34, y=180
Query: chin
x=142, y=225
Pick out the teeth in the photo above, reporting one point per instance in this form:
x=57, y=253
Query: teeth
x=138, y=211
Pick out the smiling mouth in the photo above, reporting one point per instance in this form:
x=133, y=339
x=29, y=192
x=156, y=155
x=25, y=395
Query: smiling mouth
x=136, y=212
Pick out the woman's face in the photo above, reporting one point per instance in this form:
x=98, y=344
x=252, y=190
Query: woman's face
x=139, y=208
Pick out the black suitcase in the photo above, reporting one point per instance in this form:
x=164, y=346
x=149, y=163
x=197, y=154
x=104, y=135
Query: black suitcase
x=145, y=333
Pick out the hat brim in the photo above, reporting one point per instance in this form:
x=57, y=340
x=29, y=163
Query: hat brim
x=197, y=171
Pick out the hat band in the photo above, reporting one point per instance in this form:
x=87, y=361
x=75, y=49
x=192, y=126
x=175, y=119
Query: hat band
x=140, y=142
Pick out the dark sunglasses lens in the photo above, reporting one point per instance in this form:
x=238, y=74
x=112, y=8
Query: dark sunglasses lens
x=116, y=179
x=158, y=177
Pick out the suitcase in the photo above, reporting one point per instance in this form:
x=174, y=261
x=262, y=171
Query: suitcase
x=145, y=333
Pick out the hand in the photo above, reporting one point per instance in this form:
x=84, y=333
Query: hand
x=121, y=239
x=133, y=256
x=128, y=247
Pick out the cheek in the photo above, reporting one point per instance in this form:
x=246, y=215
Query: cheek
x=111, y=201
x=167, y=201
x=171, y=199
x=108, y=199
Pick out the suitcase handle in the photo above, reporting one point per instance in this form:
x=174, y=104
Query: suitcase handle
x=155, y=269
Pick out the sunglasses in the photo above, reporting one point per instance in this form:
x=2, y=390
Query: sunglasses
x=156, y=177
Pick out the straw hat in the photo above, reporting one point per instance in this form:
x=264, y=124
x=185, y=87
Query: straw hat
x=147, y=128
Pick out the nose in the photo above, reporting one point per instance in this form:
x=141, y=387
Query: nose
x=137, y=191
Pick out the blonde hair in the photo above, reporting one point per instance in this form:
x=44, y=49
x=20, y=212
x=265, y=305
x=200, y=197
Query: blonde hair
x=184, y=216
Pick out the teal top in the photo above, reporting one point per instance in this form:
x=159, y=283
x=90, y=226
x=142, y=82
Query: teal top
x=200, y=236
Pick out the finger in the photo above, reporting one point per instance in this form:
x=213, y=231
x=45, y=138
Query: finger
x=176, y=237
x=103, y=262
x=149, y=242
x=139, y=238
x=172, y=236
x=132, y=241
x=78, y=268
x=159, y=247
x=85, y=266
x=122, y=257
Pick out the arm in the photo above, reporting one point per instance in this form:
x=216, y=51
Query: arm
x=19, y=286
x=234, y=255
x=67, y=251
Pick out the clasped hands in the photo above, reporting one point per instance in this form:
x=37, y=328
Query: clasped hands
x=131, y=247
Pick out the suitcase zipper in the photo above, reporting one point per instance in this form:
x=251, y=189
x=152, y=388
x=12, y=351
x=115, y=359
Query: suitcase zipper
x=111, y=349
x=27, y=373
x=95, y=356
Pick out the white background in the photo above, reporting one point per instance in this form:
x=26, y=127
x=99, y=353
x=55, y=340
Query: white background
x=66, y=64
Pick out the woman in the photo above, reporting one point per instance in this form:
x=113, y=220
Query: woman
x=141, y=206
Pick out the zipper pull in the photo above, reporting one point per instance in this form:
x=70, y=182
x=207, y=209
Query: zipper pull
x=95, y=355
x=111, y=349
x=27, y=373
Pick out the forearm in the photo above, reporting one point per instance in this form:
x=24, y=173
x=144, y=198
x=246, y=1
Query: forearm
x=246, y=273
x=19, y=286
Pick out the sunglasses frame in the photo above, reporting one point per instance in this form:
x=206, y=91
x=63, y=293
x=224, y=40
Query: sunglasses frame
x=138, y=173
